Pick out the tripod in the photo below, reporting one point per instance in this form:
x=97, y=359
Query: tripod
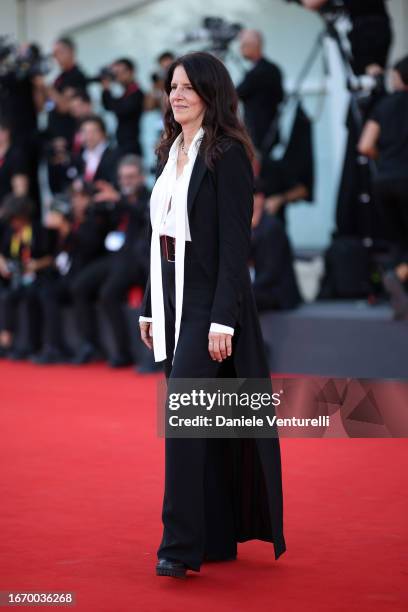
x=365, y=167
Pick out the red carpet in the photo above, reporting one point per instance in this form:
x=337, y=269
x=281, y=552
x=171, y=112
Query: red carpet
x=81, y=490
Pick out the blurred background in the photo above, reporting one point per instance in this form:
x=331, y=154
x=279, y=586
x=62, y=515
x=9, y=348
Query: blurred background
x=81, y=99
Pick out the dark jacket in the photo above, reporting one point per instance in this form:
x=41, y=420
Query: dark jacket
x=128, y=110
x=131, y=218
x=43, y=242
x=261, y=92
x=106, y=171
x=220, y=204
x=275, y=285
x=84, y=243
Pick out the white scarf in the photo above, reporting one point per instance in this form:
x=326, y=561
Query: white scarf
x=165, y=188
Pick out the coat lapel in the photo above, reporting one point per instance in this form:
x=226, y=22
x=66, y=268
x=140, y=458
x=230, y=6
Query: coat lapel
x=197, y=175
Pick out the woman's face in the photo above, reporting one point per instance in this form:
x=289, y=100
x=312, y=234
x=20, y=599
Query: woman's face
x=187, y=106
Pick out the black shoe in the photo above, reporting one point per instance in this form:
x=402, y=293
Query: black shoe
x=122, y=361
x=86, y=353
x=50, y=356
x=167, y=567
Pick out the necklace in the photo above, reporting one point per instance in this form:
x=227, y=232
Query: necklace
x=182, y=147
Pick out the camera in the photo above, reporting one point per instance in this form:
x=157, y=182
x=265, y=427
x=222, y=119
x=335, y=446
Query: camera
x=158, y=76
x=105, y=73
x=216, y=30
x=22, y=61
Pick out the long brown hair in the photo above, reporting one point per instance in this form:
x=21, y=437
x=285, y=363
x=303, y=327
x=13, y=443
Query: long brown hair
x=211, y=81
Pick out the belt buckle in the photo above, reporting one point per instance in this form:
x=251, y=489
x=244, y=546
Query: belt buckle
x=170, y=248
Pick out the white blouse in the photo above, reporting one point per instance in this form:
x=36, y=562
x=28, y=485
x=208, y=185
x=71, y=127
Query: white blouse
x=170, y=189
x=168, y=226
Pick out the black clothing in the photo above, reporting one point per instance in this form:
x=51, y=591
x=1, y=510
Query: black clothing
x=109, y=278
x=43, y=242
x=17, y=107
x=276, y=177
x=106, y=170
x=356, y=8
x=24, y=290
x=217, y=288
x=74, y=77
x=392, y=202
x=128, y=217
x=26, y=298
x=198, y=512
x=53, y=295
x=261, y=92
x=275, y=285
x=11, y=164
x=84, y=244
x=63, y=125
x=61, y=174
x=391, y=114
x=371, y=34
x=370, y=40
x=390, y=181
x=354, y=218
x=128, y=110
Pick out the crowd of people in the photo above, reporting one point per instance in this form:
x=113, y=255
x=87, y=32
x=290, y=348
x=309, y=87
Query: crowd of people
x=90, y=245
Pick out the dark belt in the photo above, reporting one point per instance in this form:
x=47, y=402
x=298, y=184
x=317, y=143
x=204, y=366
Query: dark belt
x=168, y=248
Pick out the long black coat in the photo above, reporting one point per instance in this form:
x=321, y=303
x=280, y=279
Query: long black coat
x=220, y=204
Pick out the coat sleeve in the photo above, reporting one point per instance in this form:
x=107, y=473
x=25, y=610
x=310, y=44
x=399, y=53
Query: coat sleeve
x=146, y=307
x=234, y=185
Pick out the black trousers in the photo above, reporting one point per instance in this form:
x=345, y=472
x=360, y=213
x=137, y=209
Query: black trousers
x=107, y=279
x=392, y=200
x=10, y=300
x=54, y=294
x=197, y=514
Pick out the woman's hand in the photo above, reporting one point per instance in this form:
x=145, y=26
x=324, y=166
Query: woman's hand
x=219, y=345
x=146, y=333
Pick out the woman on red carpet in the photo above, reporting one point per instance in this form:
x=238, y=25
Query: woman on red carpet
x=199, y=317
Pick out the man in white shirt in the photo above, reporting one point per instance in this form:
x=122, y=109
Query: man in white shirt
x=98, y=161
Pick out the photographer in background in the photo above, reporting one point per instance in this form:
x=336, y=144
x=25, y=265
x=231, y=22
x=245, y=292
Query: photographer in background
x=371, y=33
x=261, y=90
x=26, y=254
x=13, y=166
x=98, y=160
x=385, y=138
x=110, y=277
x=156, y=97
x=21, y=98
x=271, y=258
x=80, y=240
x=128, y=108
x=80, y=107
x=61, y=124
x=21, y=89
